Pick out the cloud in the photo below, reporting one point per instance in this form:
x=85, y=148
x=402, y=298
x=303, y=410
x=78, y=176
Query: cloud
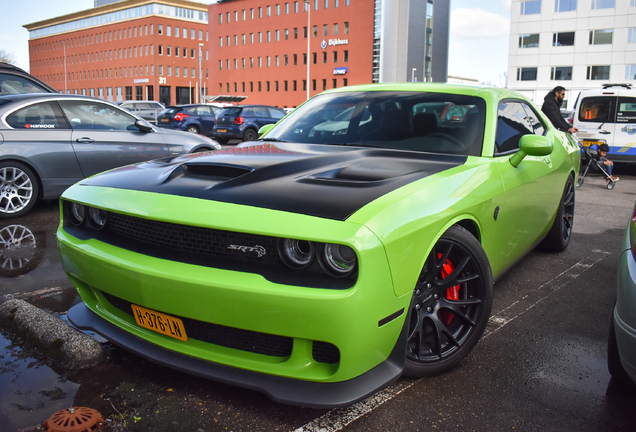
x=6, y=38
x=477, y=23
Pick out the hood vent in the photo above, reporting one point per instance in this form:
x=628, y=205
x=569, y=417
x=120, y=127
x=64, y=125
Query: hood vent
x=215, y=171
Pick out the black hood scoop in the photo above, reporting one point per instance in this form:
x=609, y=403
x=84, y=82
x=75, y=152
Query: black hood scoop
x=317, y=180
x=214, y=171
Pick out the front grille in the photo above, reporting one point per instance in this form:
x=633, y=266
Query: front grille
x=229, y=337
x=207, y=242
x=324, y=352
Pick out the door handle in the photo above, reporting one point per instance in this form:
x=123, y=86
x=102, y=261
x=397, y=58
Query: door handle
x=85, y=140
x=604, y=132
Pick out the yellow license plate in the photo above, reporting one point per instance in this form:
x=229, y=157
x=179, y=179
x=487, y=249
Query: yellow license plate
x=222, y=130
x=159, y=322
x=589, y=143
x=165, y=120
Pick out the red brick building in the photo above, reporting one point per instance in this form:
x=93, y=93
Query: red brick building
x=259, y=49
x=129, y=50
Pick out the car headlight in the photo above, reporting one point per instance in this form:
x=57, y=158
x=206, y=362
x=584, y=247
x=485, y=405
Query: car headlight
x=97, y=217
x=77, y=213
x=297, y=253
x=338, y=260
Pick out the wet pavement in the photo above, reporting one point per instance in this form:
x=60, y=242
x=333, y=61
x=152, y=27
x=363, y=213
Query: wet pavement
x=541, y=365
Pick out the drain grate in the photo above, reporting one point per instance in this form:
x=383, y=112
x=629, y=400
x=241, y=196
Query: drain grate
x=78, y=419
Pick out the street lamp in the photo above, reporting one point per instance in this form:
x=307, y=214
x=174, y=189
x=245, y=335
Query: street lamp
x=200, y=76
x=65, y=86
x=308, y=4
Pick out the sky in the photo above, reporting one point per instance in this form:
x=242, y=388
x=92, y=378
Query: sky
x=479, y=33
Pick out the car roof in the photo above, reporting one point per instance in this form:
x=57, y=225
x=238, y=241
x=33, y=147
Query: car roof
x=609, y=89
x=46, y=96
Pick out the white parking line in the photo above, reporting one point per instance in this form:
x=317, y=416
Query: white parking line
x=338, y=419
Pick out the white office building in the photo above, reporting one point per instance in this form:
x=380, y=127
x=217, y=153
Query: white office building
x=577, y=44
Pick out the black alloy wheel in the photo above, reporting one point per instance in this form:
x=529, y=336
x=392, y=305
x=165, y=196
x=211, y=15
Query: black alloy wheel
x=250, y=135
x=451, y=305
x=558, y=238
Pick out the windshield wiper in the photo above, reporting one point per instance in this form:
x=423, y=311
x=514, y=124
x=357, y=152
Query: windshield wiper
x=271, y=139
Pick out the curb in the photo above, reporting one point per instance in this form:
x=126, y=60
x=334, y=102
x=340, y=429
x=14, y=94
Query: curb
x=63, y=344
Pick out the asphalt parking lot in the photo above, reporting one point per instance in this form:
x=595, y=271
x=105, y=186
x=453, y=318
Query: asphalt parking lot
x=541, y=366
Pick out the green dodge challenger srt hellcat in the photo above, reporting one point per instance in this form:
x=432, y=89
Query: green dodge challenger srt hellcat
x=357, y=240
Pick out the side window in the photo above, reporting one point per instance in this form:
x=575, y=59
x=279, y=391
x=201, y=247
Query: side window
x=511, y=126
x=261, y=112
x=598, y=109
x=95, y=115
x=204, y=111
x=247, y=112
x=535, y=122
x=13, y=84
x=626, y=112
x=38, y=117
x=275, y=114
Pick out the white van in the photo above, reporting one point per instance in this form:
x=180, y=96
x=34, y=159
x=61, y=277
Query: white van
x=608, y=115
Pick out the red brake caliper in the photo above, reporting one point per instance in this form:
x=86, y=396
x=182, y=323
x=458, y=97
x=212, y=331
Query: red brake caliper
x=452, y=293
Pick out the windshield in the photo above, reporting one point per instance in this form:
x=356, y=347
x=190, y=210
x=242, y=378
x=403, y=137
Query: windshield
x=419, y=121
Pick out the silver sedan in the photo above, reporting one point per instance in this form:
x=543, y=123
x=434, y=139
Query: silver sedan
x=50, y=141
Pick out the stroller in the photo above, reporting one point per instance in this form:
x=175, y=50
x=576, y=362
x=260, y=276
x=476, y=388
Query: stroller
x=590, y=157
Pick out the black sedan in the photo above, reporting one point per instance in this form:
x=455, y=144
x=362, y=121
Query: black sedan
x=51, y=141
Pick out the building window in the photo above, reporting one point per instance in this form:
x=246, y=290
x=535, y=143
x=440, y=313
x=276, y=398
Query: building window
x=527, y=74
x=277, y=35
x=335, y=56
x=160, y=31
x=243, y=38
x=561, y=73
x=529, y=40
x=169, y=70
x=315, y=56
x=305, y=32
x=325, y=30
x=269, y=11
x=335, y=83
x=267, y=85
x=602, y=4
x=286, y=34
x=275, y=85
x=277, y=61
x=564, y=5
x=295, y=59
x=268, y=61
x=563, y=39
x=346, y=56
x=530, y=7
x=335, y=29
x=601, y=37
x=168, y=31
x=269, y=36
x=315, y=31
x=220, y=64
x=286, y=60
x=346, y=27
x=160, y=70
x=167, y=51
x=160, y=50
x=176, y=52
x=185, y=31
x=631, y=34
x=313, y=85
x=598, y=72
x=630, y=72
x=324, y=56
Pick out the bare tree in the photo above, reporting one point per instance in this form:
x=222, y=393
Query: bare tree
x=7, y=57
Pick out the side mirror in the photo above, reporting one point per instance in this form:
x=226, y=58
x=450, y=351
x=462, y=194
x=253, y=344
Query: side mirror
x=143, y=125
x=262, y=131
x=531, y=145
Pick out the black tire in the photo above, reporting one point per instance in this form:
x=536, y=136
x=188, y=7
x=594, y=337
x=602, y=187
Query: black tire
x=451, y=305
x=579, y=182
x=192, y=129
x=250, y=135
x=559, y=236
x=18, y=189
x=613, y=357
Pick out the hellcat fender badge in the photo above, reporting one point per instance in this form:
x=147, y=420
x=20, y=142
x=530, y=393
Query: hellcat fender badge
x=260, y=250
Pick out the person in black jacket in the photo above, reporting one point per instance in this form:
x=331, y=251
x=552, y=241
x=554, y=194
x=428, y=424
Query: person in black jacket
x=552, y=108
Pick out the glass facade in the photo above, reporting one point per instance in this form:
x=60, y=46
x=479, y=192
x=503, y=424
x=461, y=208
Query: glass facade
x=530, y=7
x=529, y=41
x=121, y=15
x=564, y=5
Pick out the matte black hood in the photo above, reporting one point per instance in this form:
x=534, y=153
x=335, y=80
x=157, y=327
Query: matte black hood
x=318, y=180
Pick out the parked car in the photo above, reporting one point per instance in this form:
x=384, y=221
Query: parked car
x=608, y=115
x=194, y=118
x=50, y=141
x=318, y=267
x=243, y=122
x=621, y=346
x=14, y=80
x=147, y=110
